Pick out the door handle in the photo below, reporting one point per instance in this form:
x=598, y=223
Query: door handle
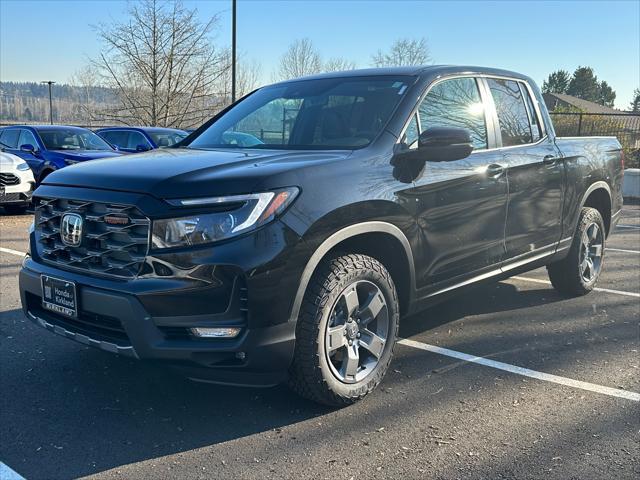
x=549, y=160
x=494, y=170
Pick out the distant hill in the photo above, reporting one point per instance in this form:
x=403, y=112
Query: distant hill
x=28, y=102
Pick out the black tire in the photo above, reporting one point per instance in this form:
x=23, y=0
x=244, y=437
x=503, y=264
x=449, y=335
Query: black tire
x=15, y=209
x=566, y=275
x=312, y=374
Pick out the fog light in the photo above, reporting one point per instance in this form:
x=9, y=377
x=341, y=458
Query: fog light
x=217, y=332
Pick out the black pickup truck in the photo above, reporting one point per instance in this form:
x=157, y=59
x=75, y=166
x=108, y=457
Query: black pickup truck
x=284, y=239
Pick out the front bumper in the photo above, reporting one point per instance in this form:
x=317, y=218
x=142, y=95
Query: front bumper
x=150, y=318
x=17, y=195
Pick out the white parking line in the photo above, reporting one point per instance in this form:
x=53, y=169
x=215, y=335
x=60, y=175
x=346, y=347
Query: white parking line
x=7, y=473
x=12, y=252
x=609, y=249
x=597, y=289
x=637, y=227
x=547, y=377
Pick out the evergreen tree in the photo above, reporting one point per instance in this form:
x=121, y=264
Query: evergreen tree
x=635, y=102
x=557, y=82
x=584, y=84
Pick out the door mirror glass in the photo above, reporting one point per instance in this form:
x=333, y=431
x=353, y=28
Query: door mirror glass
x=445, y=144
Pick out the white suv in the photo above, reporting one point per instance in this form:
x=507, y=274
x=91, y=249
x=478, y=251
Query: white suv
x=16, y=184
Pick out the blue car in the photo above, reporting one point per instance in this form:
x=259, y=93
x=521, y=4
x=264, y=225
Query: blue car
x=141, y=139
x=47, y=148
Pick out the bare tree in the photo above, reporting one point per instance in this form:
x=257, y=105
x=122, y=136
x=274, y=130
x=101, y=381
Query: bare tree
x=403, y=52
x=300, y=59
x=248, y=76
x=86, y=79
x=338, y=64
x=163, y=64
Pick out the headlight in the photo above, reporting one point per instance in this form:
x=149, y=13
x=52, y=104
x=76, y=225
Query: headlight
x=235, y=215
x=24, y=166
x=70, y=161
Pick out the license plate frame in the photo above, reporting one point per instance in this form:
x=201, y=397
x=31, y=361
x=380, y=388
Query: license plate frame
x=59, y=296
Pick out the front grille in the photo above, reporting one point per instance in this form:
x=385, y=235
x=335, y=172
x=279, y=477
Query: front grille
x=8, y=179
x=116, y=249
x=98, y=327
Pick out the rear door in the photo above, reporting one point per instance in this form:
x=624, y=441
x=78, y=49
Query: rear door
x=535, y=172
x=461, y=204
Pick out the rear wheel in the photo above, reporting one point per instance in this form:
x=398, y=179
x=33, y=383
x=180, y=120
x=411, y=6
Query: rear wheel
x=346, y=331
x=578, y=273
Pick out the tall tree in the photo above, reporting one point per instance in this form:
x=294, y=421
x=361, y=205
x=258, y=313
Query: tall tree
x=584, y=84
x=607, y=96
x=403, y=52
x=300, y=59
x=557, y=82
x=163, y=64
x=635, y=101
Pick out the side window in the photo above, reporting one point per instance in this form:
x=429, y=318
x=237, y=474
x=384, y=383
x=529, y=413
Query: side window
x=456, y=103
x=9, y=137
x=26, y=137
x=116, y=137
x=536, y=131
x=512, y=112
x=135, y=139
x=412, y=133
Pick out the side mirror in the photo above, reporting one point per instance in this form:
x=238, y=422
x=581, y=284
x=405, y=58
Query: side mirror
x=27, y=148
x=445, y=144
x=142, y=148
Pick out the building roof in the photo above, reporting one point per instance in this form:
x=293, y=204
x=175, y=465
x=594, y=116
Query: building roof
x=583, y=105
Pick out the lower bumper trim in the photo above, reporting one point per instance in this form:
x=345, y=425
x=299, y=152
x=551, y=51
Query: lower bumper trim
x=127, y=351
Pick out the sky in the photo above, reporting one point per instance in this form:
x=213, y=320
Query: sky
x=51, y=39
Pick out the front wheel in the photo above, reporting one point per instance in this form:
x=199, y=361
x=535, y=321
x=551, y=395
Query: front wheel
x=578, y=273
x=346, y=331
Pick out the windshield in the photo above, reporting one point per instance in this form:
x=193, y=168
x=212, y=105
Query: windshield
x=334, y=113
x=167, y=139
x=72, y=139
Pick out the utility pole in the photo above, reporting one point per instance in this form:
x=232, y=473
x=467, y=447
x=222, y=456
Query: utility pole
x=50, y=82
x=233, y=51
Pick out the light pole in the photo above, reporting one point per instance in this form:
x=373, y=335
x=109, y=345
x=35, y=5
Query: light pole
x=233, y=51
x=50, y=82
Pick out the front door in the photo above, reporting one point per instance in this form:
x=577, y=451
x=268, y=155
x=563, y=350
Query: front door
x=461, y=204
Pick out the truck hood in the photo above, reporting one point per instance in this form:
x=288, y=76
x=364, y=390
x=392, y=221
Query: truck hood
x=185, y=173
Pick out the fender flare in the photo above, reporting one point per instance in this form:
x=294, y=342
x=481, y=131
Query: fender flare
x=595, y=186
x=340, y=236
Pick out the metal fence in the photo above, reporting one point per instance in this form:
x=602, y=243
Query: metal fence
x=624, y=126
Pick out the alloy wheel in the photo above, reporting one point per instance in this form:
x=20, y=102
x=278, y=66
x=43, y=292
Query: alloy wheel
x=357, y=332
x=591, y=251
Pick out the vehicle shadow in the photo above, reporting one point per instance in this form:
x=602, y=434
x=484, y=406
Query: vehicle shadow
x=491, y=298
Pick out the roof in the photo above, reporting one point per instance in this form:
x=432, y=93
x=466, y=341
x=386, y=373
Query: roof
x=584, y=105
x=418, y=70
x=143, y=129
x=47, y=127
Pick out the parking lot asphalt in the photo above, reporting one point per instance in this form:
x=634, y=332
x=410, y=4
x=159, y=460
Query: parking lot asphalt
x=68, y=411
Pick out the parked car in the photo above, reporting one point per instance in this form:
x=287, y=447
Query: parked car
x=47, y=148
x=16, y=184
x=384, y=192
x=141, y=139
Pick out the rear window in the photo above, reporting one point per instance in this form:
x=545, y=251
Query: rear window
x=9, y=137
x=513, y=117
